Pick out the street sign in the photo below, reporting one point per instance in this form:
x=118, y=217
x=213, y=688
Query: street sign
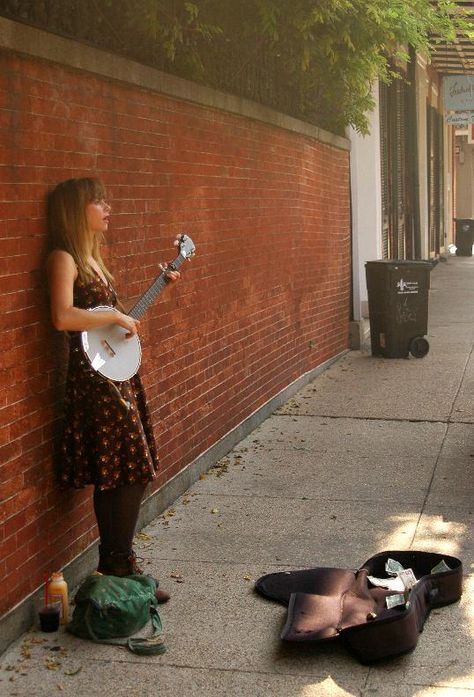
x=458, y=92
x=460, y=118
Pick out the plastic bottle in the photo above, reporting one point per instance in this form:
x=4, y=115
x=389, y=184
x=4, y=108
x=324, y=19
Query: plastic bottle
x=58, y=593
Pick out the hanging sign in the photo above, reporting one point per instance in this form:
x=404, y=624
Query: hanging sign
x=458, y=92
x=460, y=118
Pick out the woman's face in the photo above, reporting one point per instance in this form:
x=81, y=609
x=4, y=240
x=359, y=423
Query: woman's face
x=98, y=216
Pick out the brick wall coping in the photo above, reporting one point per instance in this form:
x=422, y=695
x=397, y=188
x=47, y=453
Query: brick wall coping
x=24, y=39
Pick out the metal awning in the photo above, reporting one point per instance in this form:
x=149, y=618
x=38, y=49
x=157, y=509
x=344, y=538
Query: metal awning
x=457, y=57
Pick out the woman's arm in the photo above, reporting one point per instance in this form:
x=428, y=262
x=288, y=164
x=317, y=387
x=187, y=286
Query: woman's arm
x=62, y=273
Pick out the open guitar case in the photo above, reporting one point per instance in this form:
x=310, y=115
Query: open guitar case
x=327, y=604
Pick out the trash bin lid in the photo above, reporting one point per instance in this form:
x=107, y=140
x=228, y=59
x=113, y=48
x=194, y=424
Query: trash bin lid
x=402, y=262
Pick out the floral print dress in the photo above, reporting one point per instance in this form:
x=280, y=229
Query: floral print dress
x=103, y=443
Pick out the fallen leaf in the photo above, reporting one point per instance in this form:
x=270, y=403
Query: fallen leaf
x=51, y=664
x=214, y=510
x=73, y=672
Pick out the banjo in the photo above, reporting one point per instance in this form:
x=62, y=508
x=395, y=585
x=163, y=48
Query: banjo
x=108, y=350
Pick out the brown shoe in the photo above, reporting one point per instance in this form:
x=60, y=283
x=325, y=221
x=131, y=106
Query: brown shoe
x=118, y=564
x=121, y=564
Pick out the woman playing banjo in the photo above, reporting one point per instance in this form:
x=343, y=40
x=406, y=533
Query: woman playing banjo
x=103, y=443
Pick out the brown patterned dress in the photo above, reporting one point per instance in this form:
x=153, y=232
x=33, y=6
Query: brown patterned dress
x=102, y=443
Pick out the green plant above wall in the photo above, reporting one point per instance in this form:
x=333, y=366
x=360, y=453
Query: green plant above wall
x=313, y=60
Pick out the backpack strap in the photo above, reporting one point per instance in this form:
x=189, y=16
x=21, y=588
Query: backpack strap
x=152, y=645
x=143, y=646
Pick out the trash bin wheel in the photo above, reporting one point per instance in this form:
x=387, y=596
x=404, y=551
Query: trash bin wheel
x=419, y=347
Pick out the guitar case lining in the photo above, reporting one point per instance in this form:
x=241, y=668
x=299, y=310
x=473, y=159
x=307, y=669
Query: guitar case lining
x=327, y=603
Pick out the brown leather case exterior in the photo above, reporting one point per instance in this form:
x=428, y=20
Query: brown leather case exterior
x=330, y=603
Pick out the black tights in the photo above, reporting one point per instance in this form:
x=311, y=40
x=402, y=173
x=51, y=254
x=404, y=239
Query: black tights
x=116, y=511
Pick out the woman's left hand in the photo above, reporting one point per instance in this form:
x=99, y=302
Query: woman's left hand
x=171, y=275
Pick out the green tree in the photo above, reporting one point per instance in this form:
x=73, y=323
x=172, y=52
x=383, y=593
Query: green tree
x=329, y=53
x=314, y=59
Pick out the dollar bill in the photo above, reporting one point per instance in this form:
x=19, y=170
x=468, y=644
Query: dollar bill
x=400, y=579
x=442, y=566
x=393, y=567
x=408, y=578
x=394, y=600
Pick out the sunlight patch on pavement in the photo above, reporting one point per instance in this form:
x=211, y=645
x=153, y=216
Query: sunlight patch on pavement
x=403, y=528
x=436, y=534
x=326, y=688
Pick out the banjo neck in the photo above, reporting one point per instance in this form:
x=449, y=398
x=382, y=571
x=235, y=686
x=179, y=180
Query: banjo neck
x=105, y=347
x=148, y=298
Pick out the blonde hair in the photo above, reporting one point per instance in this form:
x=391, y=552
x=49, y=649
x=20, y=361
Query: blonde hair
x=67, y=223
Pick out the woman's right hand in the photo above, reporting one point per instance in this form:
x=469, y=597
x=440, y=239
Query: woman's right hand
x=128, y=323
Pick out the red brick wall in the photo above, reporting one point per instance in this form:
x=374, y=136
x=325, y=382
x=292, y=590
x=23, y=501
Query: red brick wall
x=265, y=299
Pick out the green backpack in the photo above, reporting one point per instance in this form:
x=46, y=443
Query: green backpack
x=109, y=609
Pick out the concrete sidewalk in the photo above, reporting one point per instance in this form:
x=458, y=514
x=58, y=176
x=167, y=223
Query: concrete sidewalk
x=374, y=454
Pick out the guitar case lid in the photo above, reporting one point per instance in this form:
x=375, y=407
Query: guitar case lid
x=327, y=603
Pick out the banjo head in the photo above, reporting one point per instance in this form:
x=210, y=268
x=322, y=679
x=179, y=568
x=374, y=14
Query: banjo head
x=109, y=352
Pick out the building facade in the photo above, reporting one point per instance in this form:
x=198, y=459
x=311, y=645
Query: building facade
x=404, y=177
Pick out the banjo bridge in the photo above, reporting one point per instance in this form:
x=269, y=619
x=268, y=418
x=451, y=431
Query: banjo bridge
x=108, y=348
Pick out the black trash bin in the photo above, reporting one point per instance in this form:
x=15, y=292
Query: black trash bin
x=398, y=307
x=464, y=236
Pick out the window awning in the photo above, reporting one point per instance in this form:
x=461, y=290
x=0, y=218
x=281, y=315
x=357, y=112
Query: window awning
x=456, y=57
